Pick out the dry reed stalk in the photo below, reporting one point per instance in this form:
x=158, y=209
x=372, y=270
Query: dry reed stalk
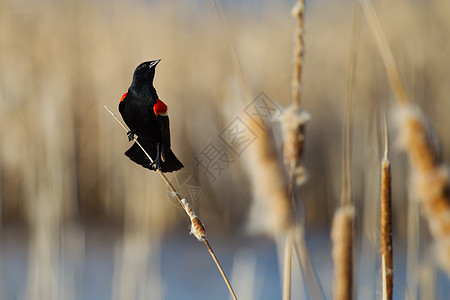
x=430, y=179
x=287, y=272
x=385, y=51
x=386, y=227
x=237, y=65
x=197, y=227
x=413, y=242
x=369, y=250
x=347, y=132
x=313, y=285
x=383, y=279
x=428, y=276
x=342, y=252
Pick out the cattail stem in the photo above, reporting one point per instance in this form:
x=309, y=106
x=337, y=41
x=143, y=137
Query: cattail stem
x=315, y=290
x=383, y=279
x=347, y=132
x=224, y=276
x=197, y=227
x=287, y=266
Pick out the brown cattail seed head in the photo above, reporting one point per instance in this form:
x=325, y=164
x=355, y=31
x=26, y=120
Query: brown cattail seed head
x=342, y=252
x=386, y=228
x=297, y=12
x=272, y=209
x=430, y=179
x=197, y=228
x=297, y=9
x=294, y=121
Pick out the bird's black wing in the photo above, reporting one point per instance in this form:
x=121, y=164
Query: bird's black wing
x=121, y=106
x=165, y=132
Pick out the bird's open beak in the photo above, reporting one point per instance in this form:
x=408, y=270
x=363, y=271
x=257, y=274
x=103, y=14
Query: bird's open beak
x=153, y=63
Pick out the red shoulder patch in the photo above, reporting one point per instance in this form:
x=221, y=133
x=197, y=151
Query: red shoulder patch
x=160, y=108
x=123, y=96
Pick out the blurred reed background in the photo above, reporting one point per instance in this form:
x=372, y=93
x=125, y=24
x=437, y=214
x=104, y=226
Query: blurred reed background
x=80, y=221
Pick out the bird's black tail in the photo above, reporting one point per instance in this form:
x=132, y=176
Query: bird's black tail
x=172, y=163
x=136, y=154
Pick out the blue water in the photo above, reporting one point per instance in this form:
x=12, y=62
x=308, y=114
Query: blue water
x=179, y=267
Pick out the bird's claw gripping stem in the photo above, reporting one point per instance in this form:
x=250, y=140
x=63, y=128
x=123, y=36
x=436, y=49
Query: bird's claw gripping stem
x=156, y=164
x=130, y=135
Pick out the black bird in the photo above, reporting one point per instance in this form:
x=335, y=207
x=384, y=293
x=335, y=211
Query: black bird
x=146, y=116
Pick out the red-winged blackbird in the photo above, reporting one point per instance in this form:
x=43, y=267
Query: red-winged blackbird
x=146, y=115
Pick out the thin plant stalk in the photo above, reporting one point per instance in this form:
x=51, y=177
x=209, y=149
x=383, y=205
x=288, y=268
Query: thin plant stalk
x=197, y=227
x=313, y=285
x=343, y=220
x=383, y=279
x=347, y=137
x=229, y=38
x=413, y=240
x=385, y=51
x=287, y=270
